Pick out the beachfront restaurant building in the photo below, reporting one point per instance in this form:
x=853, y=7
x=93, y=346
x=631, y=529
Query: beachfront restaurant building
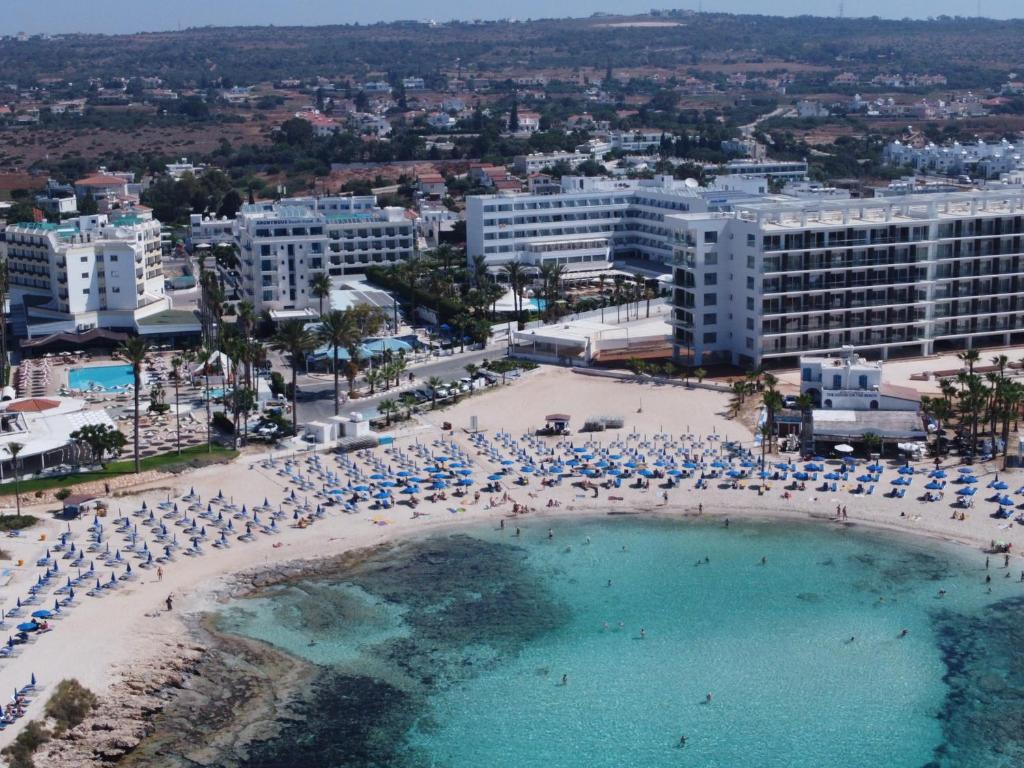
x=43, y=427
x=850, y=400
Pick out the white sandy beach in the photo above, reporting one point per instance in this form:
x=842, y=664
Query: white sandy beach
x=102, y=637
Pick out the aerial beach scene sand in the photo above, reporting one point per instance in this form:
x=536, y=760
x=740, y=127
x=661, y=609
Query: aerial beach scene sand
x=127, y=632
x=393, y=386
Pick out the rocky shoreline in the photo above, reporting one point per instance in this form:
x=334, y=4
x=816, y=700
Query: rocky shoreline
x=199, y=701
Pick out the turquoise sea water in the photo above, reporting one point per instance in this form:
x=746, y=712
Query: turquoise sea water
x=106, y=377
x=464, y=640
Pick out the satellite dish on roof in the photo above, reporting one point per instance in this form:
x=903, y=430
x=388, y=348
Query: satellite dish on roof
x=692, y=184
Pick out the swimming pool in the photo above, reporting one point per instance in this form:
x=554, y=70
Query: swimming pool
x=105, y=378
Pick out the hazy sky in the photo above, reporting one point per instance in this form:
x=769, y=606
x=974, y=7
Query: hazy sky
x=119, y=16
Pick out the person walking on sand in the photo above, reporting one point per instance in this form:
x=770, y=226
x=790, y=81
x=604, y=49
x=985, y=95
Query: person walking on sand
x=170, y=602
x=160, y=573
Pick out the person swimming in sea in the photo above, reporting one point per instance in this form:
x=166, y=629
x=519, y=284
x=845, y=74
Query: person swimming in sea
x=682, y=741
x=643, y=633
x=565, y=679
x=904, y=632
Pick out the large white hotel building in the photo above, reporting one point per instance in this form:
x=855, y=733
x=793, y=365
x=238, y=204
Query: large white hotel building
x=102, y=271
x=587, y=224
x=283, y=244
x=762, y=279
x=909, y=276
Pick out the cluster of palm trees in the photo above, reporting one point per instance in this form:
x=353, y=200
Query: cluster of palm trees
x=339, y=330
x=988, y=402
x=464, y=296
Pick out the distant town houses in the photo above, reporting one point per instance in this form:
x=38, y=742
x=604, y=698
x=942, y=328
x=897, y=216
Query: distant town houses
x=986, y=160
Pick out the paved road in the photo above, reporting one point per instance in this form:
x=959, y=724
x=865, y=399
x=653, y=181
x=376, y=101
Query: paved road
x=316, y=395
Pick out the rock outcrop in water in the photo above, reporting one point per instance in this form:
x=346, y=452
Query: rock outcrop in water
x=983, y=718
x=237, y=703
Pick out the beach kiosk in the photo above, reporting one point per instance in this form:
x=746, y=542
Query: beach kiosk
x=78, y=504
x=556, y=424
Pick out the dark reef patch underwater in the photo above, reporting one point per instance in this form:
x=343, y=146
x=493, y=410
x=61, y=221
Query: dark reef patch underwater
x=345, y=665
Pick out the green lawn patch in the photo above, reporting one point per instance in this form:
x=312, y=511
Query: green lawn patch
x=190, y=458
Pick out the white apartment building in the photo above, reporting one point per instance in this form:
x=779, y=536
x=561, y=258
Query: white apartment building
x=781, y=169
x=588, y=224
x=986, y=160
x=210, y=230
x=89, y=272
x=770, y=281
x=538, y=161
x=283, y=244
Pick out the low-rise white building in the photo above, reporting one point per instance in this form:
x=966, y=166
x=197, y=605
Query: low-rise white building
x=849, y=382
x=210, y=230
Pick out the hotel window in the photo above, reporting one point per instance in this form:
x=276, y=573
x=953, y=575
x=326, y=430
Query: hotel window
x=710, y=338
x=710, y=318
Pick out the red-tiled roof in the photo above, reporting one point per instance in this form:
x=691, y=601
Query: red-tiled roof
x=100, y=180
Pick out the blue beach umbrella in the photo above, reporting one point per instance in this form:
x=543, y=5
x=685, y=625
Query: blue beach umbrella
x=28, y=626
x=968, y=479
x=940, y=473
x=801, y=476
x=42, y=614
x=874, y=467
x=901, y=481
x=933, y=486
x=967, y=491
x=410, y=489
x=1005, y=501
x=832, y=476
x=1000, y=486
x=906, y=470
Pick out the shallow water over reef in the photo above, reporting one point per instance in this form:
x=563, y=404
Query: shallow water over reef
x=599, y=646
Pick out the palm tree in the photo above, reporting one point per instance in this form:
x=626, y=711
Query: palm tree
x=619, y=281
x=413, y=267
x=516, y=277
x=969, y=356
x=398, y=367
x=320, y=289
x=295, y=341
x=4, y=288
x=479, y=270
x=773, y=403
x=176, y=362
x=434, y=382
x=765, y=432
x=14, y=449
x=135, y=351
x=408, y=399
x=387, y=406
x=336, y=331
x=372, y=380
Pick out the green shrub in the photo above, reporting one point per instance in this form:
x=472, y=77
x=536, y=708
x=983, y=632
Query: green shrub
x=70, y=704
x=222, y=422
x=16, y=522
x=277, y=383
x=62, y=494
x=31, y=738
